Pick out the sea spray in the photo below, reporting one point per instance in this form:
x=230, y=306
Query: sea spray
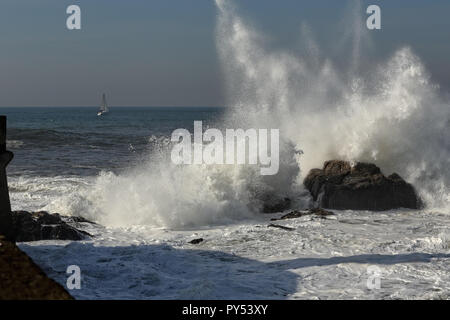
x=390, y=114
x=160, y=193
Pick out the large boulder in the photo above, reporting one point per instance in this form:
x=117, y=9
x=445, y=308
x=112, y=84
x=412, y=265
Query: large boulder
x=362, y=186
x=41, y=225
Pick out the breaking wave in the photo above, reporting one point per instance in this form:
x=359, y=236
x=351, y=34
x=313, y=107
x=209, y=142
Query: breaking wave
x=390, y=114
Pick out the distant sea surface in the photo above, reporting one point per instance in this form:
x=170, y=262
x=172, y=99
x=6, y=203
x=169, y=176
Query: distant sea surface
x=54, y=141
x=58, y=150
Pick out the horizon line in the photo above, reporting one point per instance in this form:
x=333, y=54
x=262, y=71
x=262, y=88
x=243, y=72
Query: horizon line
x=96, y=106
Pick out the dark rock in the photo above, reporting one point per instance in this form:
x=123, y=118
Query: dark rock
x=280, y=227
x=290, y=215
x=76, y=219
x=22, y=279
x=298, y=214
x=77, y=222
x=196, y=241
x=35, y=226
x=339, y=185
x=320, y=212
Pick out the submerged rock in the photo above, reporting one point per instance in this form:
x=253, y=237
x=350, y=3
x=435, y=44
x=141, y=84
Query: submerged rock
x=41, y=225
x=339, y=185
x=196, y=241
x=280, y=227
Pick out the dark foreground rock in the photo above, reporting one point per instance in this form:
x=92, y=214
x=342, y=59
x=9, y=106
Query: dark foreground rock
x=22, y=279
x=341, y=186
x=34, y=226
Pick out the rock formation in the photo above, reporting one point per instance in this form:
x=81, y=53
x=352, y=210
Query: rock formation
x=340, y=185
x=41, y=225
x=298, y=214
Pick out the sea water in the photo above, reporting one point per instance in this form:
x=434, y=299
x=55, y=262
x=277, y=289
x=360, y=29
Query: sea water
x=68, y=160
x=116, y=171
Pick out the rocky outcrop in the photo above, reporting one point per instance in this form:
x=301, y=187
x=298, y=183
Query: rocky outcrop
x=280, y=227
x=298, y=214
x=22, y=279
x=34, y=226
x=362, y=186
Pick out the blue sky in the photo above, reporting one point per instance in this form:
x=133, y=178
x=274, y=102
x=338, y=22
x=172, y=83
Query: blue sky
x=162, y=52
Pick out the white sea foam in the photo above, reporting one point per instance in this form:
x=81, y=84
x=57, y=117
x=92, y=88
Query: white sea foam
x=36, y=193
x=320, y=259
x=14, y=144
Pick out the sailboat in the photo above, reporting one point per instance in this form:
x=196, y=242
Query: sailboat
x=103, y=107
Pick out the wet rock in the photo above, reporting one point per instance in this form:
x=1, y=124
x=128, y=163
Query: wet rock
x=76, y=219
x=340, y=185
x=320, y=212
x=35, y=226
x=196, y=241
x=298, y=214
x=280, y=227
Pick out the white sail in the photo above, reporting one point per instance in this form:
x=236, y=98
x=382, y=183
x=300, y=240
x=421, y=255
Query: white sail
x=103, y=107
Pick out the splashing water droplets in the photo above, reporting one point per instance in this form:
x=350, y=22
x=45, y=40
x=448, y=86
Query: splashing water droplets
x=390, y=115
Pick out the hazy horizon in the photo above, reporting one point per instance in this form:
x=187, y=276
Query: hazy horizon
x=113, y=106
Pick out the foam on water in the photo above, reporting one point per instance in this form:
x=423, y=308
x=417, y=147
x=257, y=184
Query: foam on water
x=36, y=193
x=318, y=259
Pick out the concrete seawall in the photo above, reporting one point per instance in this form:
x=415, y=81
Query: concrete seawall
x=6, y=224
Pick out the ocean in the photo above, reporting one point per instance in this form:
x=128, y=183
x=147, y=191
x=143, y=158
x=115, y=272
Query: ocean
x=70, y=161
x=116, y=170
x=74, y=141
x=57, y=149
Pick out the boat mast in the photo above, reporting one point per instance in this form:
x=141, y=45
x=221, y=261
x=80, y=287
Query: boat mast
x=104, y=107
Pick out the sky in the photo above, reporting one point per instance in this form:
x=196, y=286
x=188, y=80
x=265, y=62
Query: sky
x=163, y=52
